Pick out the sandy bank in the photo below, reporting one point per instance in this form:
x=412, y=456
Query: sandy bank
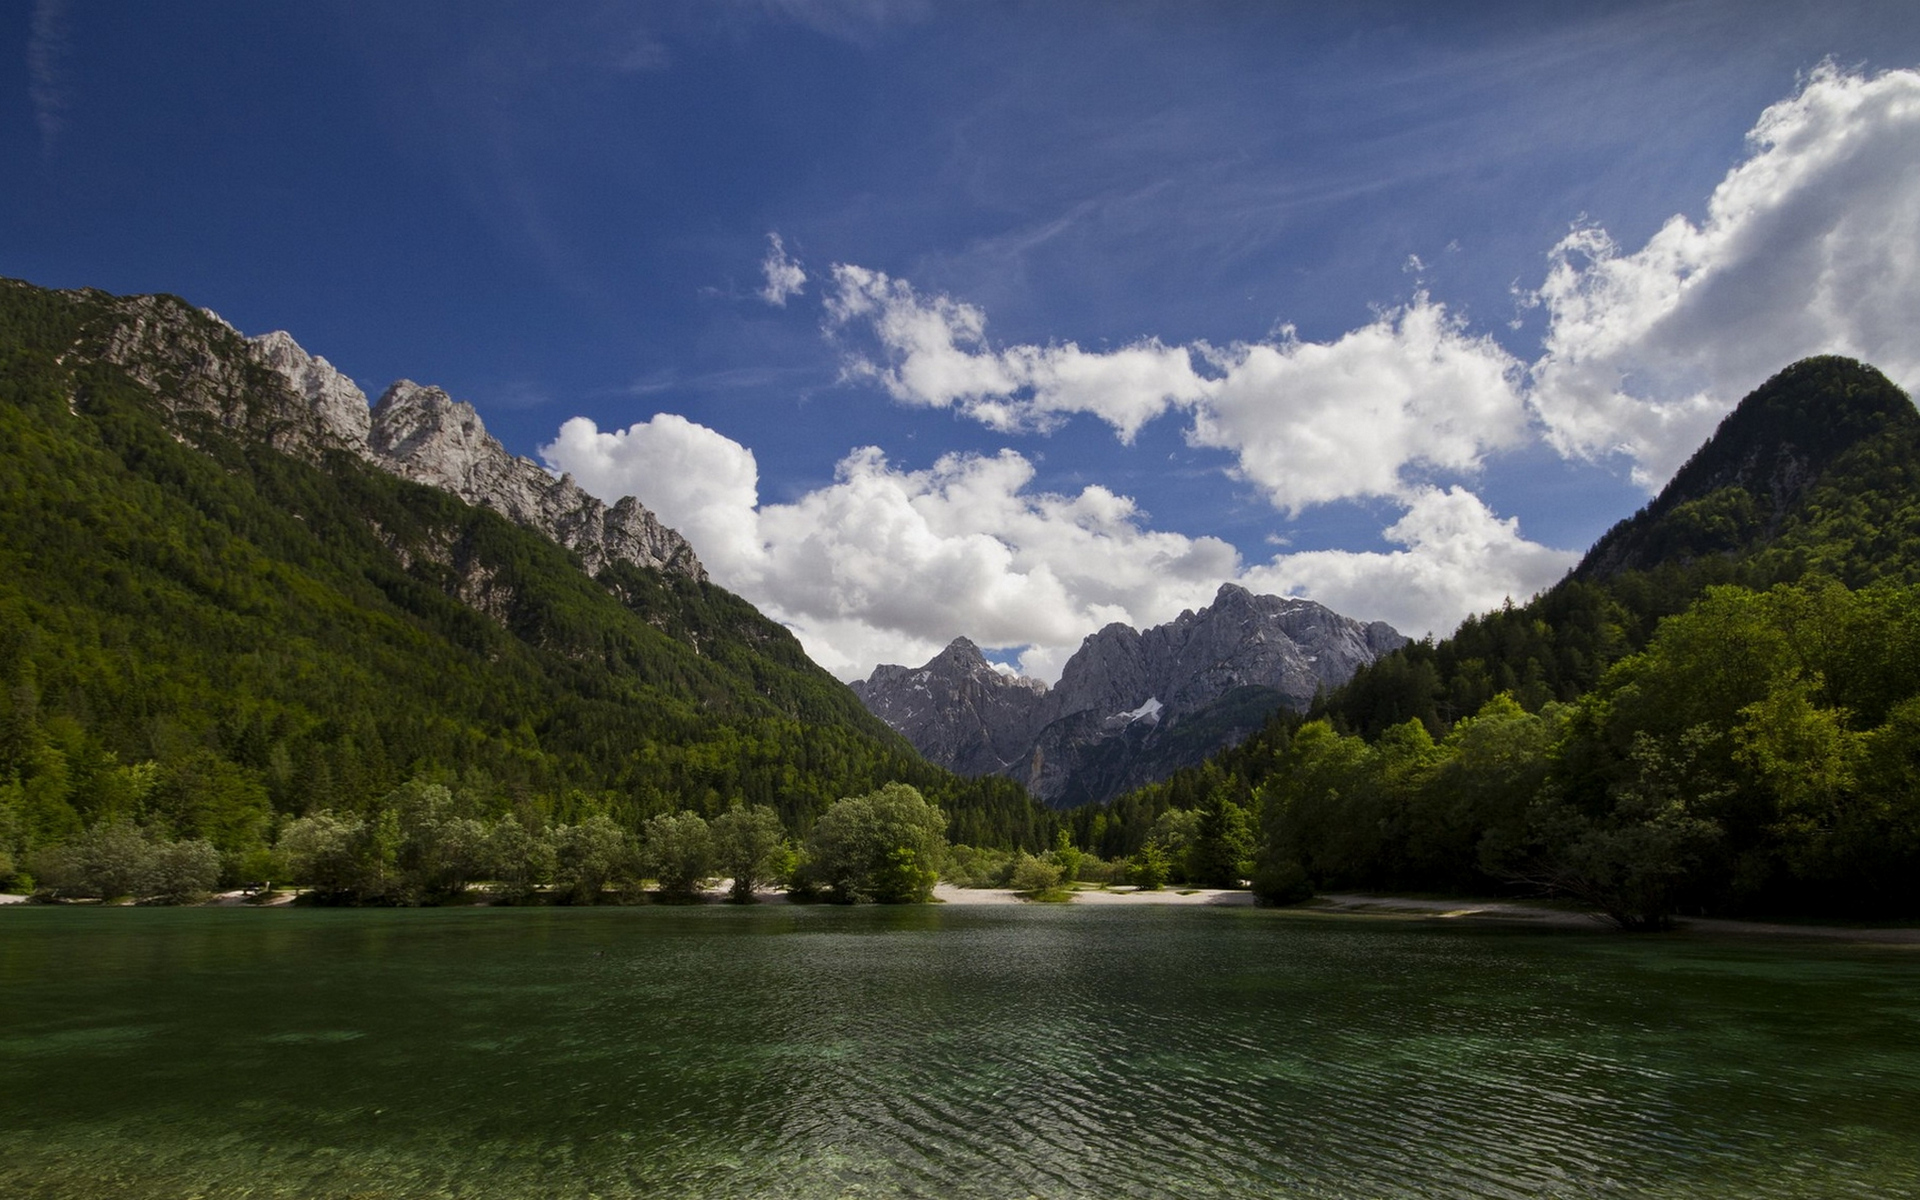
x=9, y=898
x=947, y=893
x=1518, y=912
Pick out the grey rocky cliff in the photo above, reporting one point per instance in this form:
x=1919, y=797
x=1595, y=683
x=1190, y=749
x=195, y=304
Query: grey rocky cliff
x=957, y=710
x=200, y=368
x=338, y=405
x=1297, y=647
x=1130, y=706
x=422, y=434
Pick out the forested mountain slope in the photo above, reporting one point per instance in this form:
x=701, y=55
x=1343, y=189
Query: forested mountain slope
x=1718, y=710
x=1817, y=471
x=216, y=611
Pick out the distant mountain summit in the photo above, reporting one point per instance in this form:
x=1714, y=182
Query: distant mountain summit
x=1131, y=706
x=958, y=710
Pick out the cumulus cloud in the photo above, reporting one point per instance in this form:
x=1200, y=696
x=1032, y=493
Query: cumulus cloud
x=699, y=482
x=1312, y=422
x=1307, y=422
x=1459, y=559
x=783, y=275
x=1809, y=246
x=887, y=564
x=933, y=352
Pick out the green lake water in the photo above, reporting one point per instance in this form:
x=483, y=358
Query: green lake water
x=939, y=1052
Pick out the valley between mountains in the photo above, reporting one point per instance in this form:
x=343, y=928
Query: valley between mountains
x=253, y=626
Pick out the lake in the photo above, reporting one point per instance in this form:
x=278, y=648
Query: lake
x=949, y=1052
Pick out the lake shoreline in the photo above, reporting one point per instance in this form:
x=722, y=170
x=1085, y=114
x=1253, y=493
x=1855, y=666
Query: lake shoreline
x=1507, y=913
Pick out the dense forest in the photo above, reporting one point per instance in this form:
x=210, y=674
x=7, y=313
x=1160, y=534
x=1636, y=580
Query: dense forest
x=204, y=640
x=1718, y=710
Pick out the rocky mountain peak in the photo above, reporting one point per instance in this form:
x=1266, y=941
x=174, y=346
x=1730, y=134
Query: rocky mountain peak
x=200, y=368
x=423, y=434
x=968, y=712
x=1126, y=692
x=337, y=403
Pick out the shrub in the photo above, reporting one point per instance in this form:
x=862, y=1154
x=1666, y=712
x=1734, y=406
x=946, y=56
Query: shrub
x=1282, y=882
x=1034, y=876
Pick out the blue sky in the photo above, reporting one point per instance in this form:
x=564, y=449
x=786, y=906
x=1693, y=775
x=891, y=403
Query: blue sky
x=1008, y=320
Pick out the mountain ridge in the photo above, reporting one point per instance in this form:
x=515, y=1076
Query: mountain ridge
x=1116, y=717
x=416, y=432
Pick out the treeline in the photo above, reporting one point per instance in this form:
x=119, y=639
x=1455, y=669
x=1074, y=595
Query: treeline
x=207, y=638
x=433, y=844
x=1760, y=756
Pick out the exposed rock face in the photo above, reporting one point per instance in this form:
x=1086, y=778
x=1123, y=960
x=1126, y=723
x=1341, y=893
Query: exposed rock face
x=339, y=406
x=199, y=367
x=957, y=710
x=1294, y=646
x=422, y=434
x=1130, y=707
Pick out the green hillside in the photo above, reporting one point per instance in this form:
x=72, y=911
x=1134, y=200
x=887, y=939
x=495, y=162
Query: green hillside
x=1718, y=710
x=201, y=633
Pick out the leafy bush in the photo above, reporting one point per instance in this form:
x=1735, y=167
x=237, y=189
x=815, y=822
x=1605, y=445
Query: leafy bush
x=1034, y=876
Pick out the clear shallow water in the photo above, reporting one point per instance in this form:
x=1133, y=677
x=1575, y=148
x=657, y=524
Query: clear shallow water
x=939, y=1052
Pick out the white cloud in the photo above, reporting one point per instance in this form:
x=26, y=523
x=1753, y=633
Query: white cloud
x=784, y=276
x=935, y=353
x=1312, y=422
x=697, y=481
x=1810, y=246
x=1308, y=422
x=888, y=565
x=1459, y=559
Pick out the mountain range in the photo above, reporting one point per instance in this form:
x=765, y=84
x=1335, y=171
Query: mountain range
x=234, y=593
x=1131, y=706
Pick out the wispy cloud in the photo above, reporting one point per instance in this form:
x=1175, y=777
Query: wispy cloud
x=783, y=274
x=47, y=82
x=851, y=20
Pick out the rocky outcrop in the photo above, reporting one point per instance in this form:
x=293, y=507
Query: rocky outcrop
x=1296, y=647
x=1131, y=706
x=338, y=405
x=201, y=369
x=958, y=710
x=423, y=434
